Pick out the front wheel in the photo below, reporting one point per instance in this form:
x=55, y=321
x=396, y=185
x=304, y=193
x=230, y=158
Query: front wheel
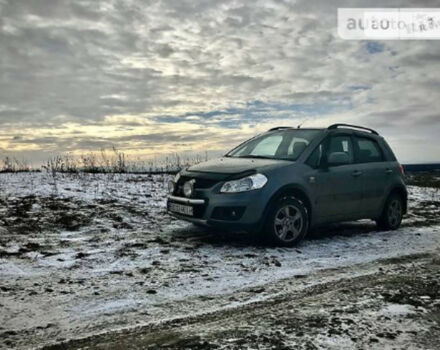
x=392, y=215
x=287, y=222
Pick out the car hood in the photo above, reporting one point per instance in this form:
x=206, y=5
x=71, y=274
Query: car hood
x=231, y=166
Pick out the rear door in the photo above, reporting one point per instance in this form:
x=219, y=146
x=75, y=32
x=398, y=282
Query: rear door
x=376, y=171
x=337, y=189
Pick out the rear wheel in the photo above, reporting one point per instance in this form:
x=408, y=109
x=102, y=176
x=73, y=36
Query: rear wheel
x=287, y=222
x=392, y=214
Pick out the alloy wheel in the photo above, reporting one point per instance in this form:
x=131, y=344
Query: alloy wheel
x=288, y=223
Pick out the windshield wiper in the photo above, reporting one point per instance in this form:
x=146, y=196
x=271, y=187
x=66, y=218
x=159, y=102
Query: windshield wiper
x=255, y=156
x=264, y=157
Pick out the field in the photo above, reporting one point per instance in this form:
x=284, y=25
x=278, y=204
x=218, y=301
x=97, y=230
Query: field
x=94, y=261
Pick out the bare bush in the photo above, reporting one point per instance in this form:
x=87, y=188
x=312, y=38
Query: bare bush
x=110, y=161
x=13, y=165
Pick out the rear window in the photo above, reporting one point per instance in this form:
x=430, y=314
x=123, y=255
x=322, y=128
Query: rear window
x=368, y=150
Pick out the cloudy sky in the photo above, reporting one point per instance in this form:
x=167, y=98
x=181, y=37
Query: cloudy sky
x=158, y=77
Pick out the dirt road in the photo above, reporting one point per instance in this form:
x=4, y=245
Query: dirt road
x=392, y=303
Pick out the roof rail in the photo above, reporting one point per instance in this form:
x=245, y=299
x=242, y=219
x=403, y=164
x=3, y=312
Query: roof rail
x=335, y=126
x=280, y=128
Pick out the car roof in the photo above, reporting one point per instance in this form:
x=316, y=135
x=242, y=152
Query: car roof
x=293, y=128
x=335, y=127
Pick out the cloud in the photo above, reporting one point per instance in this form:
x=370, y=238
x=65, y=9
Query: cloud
x=374, y=47
x=151, y=77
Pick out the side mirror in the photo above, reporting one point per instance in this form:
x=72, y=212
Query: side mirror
x=338, y=158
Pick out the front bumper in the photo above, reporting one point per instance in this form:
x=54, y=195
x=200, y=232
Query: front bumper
x=214, y=209
x=219, y=224
x=196, y=221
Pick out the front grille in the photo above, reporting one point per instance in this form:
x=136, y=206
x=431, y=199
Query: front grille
x=199, y=184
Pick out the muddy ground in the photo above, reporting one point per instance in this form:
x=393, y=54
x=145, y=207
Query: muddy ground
x=394, y=304
x=94, y=261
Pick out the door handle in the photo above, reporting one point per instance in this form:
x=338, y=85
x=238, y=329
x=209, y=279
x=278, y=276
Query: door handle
x=356, y=173
x=389, y=171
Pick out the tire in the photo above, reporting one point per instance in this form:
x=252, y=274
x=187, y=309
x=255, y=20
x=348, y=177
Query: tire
x=287, y=222
x=392, y=214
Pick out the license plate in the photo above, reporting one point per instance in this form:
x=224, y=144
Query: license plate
x=181, y=209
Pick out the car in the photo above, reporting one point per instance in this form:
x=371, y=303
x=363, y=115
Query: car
x=286, y=181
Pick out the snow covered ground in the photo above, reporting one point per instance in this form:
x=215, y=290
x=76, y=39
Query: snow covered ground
x=83, y=254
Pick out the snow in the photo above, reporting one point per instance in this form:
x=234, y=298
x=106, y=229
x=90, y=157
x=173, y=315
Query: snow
x=126, y=245
x=398, y=310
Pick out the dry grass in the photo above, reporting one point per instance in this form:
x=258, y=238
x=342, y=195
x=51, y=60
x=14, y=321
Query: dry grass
x=424, y=179
x=104, y=161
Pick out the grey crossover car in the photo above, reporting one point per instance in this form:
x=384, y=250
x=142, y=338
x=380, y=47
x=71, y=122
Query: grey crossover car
x=285, y=181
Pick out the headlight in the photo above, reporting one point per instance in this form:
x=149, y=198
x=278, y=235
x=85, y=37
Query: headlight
x=171, y=186
x=253, y=182
x=188, y=188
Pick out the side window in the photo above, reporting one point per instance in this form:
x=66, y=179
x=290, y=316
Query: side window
x=341, y=144
x=268, y=146
x=369, y=151
x=315, y=158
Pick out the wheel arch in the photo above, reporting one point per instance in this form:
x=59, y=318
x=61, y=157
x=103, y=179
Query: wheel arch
x=296, y=191
x=402, y=192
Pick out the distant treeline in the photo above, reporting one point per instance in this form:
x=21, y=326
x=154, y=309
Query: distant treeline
x=427, y=167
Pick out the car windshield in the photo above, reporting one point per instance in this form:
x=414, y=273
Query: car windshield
x=286, y=144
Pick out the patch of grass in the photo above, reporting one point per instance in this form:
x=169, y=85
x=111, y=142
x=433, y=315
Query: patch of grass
x=423, y=179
